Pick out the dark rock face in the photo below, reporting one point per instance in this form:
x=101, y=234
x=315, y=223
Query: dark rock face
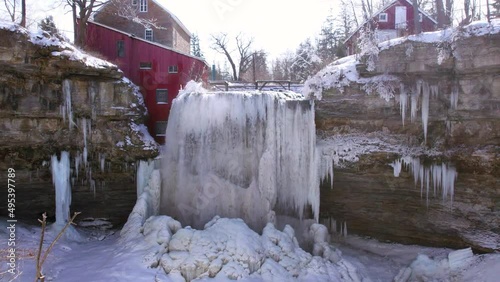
x=106, y=110
x=366, y=193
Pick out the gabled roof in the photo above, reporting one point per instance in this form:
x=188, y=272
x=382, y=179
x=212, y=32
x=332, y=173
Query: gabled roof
x=173, y=17
x=176, y=19
x=390, y=4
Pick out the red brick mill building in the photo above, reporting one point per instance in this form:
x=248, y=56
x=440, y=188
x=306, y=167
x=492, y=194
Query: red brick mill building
x=155, y=59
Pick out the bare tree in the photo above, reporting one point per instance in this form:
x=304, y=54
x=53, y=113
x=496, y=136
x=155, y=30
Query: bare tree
x=125, y=9
x=220, y=43
x=11, y=6
x=470, y=12
x=85, y=9
x=441, y=16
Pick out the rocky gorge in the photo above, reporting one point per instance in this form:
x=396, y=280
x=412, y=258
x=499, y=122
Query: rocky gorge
x=421, y=113
x=55, y=98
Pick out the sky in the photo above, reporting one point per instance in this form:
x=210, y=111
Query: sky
x=275, y=25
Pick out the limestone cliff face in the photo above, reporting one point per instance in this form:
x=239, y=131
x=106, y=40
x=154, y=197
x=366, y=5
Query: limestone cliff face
x=453, y=86
x=54, y=98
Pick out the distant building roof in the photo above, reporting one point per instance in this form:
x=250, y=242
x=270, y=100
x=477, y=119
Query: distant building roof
x=385, y=8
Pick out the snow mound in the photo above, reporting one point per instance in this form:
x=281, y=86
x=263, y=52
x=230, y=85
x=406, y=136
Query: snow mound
x=342, y=73
x=229, y=249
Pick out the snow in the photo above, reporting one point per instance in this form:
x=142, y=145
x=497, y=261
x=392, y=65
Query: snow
x=142, y=132
x=342, y=73
x=239, y=154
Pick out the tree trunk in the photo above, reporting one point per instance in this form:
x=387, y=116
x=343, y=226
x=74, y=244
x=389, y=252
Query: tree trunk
x=75, y=26
x=440, y=13
x=23, y=13
x=417, y=28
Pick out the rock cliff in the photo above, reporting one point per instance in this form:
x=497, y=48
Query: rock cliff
x=415, y=139
x=55, y=98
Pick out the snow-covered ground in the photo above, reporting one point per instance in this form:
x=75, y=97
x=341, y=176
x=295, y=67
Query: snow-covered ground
x=102, y=256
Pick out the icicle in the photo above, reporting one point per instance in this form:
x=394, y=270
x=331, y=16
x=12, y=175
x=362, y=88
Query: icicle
x=61, y=179
x=454, y=96
x=414, y=106
x=443, y=177
x=425, y=108
x=102, y=158
x=85, y=150
x=344, y=231
x=403, y=102
x=144, y=170
x=66, y=109
x=397, y=167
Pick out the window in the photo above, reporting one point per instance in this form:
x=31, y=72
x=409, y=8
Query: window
x=143, y=6
x=420, y=17
x=172, y=69
x=382, y=17
x=145, y=65
x=148, y=34
x=160, y=128
x=134, y=2
x=120, y=48
x=161, y=96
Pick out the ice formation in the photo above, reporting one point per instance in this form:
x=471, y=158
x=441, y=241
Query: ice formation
x=66, y=108
x=441, y=175
x=60, y=178
x=239, y=155
x=144, y=170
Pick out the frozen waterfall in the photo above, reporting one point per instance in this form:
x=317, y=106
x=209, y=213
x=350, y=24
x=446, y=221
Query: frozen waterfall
x=60, y=178
x=243, y=154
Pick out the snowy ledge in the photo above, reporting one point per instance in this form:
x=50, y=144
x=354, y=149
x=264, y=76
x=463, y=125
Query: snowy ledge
x=66, y=49
x=343, y=72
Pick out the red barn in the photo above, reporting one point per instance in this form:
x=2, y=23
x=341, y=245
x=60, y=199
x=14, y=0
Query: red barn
x=158, y=70
x=392, y=21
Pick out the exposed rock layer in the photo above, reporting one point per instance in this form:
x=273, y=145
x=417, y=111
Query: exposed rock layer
x=34, y=128
x=367, y=195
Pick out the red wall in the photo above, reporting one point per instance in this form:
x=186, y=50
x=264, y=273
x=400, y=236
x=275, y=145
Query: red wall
x=104, y=40
x=427, y=24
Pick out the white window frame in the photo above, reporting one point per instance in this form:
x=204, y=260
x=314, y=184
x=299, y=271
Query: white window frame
x=143, y=5
x=157, y=125
x=146, y=34
x=134, y=2
x=173, y=69
x=161, y=102
x=383, y=19
x=145, y=65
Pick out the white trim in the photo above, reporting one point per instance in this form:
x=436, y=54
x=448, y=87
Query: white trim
x=383, y=17
x=173, y=69
x=146, y=34
x=143, y=6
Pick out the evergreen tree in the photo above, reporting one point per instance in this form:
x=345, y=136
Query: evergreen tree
x=329, y=42
x=195, y=46
x=48, y=25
